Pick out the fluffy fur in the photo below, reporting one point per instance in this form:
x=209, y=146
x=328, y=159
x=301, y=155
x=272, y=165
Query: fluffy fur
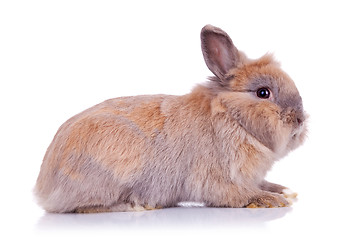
x=213, y=145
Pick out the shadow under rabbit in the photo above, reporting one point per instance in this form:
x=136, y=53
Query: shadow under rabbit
x=182, y=216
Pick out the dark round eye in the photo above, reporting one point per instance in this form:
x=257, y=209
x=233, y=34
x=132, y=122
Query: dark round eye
x=263, y=93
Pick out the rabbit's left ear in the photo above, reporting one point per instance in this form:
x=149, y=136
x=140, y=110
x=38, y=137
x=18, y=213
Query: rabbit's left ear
x=219, y=52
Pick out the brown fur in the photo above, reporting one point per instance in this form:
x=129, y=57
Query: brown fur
x=213, y=145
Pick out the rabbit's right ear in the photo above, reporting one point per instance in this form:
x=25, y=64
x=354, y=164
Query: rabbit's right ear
x=219, y=52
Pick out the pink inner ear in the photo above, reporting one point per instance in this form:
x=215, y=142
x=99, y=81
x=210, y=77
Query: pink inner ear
x=219, y=54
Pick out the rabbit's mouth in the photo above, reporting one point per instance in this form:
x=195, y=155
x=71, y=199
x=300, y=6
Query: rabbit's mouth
x=299, y=129
x=298, y=135
x=296, y=120
x=301, y=125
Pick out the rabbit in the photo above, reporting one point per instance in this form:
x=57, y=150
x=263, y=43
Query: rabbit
x=213, y=145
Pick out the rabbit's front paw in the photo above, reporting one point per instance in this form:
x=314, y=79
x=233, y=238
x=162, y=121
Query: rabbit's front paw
x=289, y=194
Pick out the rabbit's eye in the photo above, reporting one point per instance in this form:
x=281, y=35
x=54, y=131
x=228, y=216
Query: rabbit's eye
x=263, y=93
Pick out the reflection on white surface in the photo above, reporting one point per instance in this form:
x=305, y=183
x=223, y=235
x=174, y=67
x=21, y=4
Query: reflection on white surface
x=171, y=217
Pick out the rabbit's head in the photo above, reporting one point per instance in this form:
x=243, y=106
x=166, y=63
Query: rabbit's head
x=256, y=93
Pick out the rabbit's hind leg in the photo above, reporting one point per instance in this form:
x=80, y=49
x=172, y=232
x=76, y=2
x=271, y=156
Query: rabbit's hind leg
x=120, y=207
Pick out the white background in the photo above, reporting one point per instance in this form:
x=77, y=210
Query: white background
x=59, y=57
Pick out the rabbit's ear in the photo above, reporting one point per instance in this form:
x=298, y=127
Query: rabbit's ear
x=219, y=52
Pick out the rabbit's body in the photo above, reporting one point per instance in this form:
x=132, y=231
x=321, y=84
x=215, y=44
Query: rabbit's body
x=213, y=145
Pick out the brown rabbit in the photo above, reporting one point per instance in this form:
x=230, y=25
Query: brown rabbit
x=213, y=145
